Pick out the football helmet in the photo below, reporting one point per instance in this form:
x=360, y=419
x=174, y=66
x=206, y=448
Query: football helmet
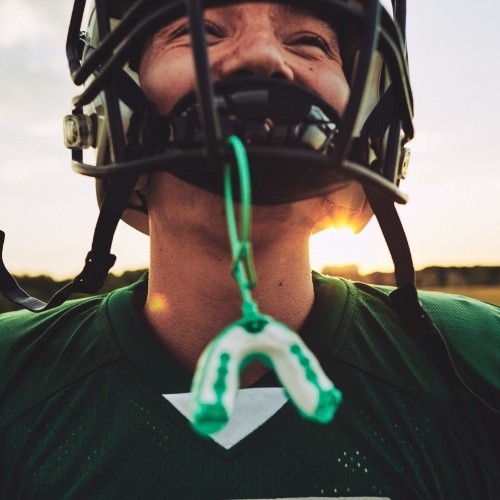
x=298, y=145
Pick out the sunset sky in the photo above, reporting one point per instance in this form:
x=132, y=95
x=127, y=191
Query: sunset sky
x=48, y=212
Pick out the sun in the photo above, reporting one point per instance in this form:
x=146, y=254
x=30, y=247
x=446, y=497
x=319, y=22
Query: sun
x=342, y=247
x=332, y=246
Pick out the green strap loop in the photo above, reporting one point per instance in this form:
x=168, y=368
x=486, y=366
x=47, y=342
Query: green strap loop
x=242, y=267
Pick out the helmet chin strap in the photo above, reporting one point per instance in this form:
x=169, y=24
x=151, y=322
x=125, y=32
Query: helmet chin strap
x=404, y=299
x=98, y=261
x=405, y=302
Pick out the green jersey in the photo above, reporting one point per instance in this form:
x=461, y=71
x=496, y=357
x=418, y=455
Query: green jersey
x=92, y=406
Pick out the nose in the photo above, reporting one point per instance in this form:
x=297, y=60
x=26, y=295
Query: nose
x=258, y=54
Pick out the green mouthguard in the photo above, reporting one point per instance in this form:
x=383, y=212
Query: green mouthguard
x=254, y=336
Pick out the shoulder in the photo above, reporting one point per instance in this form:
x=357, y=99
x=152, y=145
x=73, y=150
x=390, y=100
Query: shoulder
x=471, y=331
x=468, y=324
x=462, y=318
x=21, y=331
x=462, y=314
x=372, y=338
x=41, y=353
x=468, y=333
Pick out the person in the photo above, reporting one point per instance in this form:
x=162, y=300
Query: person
x=95, y=391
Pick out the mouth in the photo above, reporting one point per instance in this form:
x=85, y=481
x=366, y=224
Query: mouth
x=262, y=112
x=289, y=133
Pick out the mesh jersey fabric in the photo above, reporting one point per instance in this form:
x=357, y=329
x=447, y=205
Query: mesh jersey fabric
x=82, y=413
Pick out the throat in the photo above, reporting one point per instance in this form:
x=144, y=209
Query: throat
x=191, y=299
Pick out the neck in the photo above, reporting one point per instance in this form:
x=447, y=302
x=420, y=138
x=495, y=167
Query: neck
x=192, y=296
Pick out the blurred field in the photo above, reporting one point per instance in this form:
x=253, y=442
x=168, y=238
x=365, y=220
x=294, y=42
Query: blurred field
x=44, y=286
x=490, y=293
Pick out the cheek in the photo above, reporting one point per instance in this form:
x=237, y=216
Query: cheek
x=329, y=83
x=338, y=94
x=166, y=79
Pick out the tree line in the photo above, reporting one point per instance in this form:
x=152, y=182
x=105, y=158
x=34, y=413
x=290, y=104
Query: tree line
x=43, y=287
x=434, y=276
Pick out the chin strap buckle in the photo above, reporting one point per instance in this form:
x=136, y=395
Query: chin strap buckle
x=94, y=273
x=90, y=280
x=415, y=319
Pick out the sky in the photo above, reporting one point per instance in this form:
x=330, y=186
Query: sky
x=48, y=212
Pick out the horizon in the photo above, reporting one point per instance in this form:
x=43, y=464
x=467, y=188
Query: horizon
x=351, y=267
x=49, y=213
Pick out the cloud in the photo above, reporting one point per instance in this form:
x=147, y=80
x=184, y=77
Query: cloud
x=26, y=21
x=36, y=87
